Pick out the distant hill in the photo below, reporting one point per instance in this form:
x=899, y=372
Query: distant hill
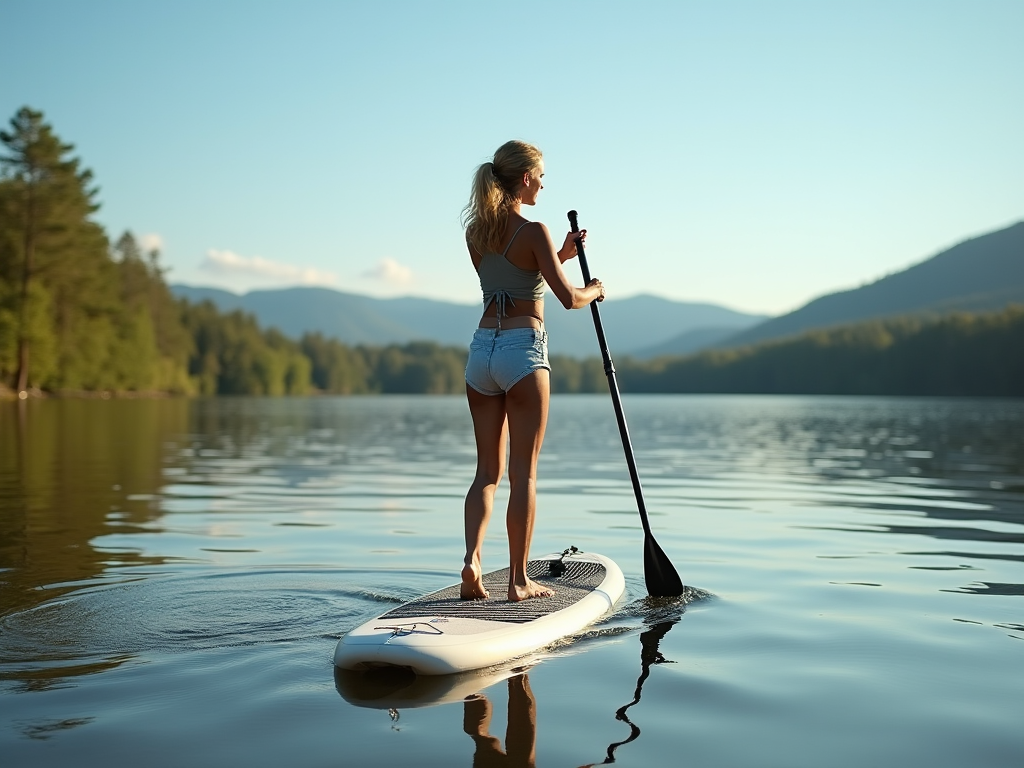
x=635, y=324
x=685, y=343
x=632, y=325
x=983, y=273
x=349, y=317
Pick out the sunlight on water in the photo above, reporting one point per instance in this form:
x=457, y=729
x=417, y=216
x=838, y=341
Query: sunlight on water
x=174, y=575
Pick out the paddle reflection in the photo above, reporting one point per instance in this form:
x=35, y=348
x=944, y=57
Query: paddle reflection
x=649, y=656
x=521, y=733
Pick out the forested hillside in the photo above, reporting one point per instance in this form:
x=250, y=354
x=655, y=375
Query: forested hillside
x=979, y=354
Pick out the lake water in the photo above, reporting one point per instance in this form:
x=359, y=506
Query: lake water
x=175, y=574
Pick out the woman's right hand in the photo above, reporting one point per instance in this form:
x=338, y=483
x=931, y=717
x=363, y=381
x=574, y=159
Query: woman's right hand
x=595, y=283
x=568, y=249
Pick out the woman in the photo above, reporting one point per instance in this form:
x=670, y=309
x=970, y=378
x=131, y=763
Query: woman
x=507, y=373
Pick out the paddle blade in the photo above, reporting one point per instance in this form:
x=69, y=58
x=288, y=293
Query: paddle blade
x=659, y=573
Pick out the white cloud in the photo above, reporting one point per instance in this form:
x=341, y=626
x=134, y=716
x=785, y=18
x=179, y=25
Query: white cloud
x=230, y=263
x=390, y=271
x=151, y=242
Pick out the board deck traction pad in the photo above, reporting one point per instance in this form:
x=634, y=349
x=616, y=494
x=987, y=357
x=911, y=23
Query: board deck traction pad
x=579, y=579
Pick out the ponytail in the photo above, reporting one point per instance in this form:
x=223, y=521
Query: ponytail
x=495, y=192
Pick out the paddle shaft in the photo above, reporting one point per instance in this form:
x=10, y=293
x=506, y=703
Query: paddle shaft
x=659, y=574
x=613, y=385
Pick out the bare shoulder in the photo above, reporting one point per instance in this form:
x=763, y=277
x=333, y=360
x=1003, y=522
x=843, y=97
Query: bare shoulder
x=529, y=245
x=536, y=228
x=537, y=233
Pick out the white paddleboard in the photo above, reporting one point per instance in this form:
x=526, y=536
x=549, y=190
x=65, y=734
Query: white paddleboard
x=440, y=634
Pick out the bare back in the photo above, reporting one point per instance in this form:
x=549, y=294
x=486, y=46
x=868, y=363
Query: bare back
x=530, y=250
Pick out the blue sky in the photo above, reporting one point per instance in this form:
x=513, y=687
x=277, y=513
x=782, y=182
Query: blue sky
x=751, y=154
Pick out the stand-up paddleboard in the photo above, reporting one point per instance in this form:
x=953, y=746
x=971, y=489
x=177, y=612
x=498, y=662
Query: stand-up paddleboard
x=439, y=633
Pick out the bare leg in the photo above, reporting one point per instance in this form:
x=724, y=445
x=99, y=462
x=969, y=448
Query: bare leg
x=527, y=406
x=521, y=732
x=476, y=722
x=490, y=430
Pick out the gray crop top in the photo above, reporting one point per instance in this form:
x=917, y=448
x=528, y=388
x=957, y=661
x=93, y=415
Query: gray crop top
x=502, y=281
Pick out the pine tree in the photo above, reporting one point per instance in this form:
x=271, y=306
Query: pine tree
x=52, y=252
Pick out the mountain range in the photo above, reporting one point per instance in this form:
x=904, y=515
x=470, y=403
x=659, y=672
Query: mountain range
x=982, y=273
x=641, y=326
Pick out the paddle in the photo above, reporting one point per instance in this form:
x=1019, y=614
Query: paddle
x=659, y=573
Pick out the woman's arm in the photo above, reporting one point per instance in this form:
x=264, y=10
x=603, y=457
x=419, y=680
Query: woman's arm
x=549, y=261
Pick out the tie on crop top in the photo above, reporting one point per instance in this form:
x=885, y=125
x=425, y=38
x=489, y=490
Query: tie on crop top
x=502, y=281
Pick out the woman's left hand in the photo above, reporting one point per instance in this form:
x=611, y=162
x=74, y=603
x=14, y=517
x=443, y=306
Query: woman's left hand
x=568, y=249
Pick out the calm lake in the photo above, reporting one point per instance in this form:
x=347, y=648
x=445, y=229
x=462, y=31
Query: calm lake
x=175, y=574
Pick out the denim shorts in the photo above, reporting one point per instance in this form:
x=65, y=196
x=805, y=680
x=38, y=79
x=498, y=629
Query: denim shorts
x=500, y=359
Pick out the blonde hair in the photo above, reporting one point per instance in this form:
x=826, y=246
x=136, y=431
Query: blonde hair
x=495, y=192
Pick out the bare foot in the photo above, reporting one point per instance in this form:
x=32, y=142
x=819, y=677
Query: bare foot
x=530, y=589
x=472, y=584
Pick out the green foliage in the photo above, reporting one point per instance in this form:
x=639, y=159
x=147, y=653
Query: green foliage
x=150, y=327
x=8, y=326
x=421, y=367
x=569, y=375
x=39, y=331
x=46, y=202
x=336, y=369
x=956, y=354
x=232, y=356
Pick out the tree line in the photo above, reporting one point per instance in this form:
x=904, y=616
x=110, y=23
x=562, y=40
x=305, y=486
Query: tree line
x=975, y=354
x=80, y=313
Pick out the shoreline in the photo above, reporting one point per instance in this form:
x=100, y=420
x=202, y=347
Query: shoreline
x=34, y=393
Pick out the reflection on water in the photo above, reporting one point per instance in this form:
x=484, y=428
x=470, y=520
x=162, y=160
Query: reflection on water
x=520, y=736
x=521, y=732
x=857, y=545
x=73, y=472
x=395, y=689
x=69, y=471
x=649, y=655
